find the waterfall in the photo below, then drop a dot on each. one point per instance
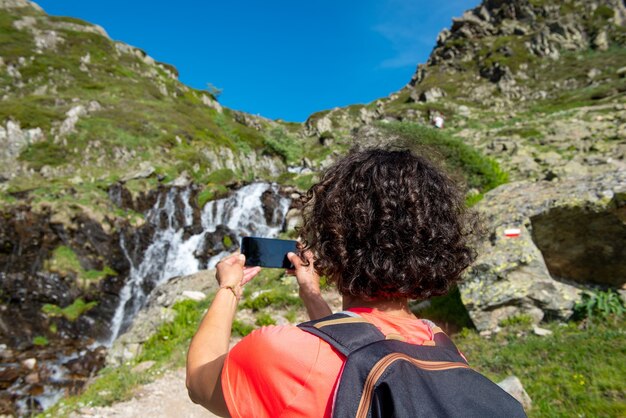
(172, 254)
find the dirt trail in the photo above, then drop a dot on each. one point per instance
(166, 397)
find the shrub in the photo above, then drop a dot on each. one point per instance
(241, 328)
(264, 319)
(599, 304)
(41, 341)
(479, 171)
(522, 320)
(280, 143)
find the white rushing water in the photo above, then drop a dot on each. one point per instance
(172, 254)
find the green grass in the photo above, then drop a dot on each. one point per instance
(572, 373)
(114, 384)
(270, 289)
(168, 344)
(44, 153)
(211, 192)
(276, 298)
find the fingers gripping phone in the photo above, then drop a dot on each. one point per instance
(268, 252)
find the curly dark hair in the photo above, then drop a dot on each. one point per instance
(387, 224)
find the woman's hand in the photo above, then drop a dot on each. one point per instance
(231, 272)
(307, 277)
(309, 282)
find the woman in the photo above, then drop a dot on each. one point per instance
(384, 227)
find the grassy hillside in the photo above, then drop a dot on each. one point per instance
(82, 111)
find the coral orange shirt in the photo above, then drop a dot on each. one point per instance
(282, 371)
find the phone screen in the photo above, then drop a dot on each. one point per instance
(267, 252)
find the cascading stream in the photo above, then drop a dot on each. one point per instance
(171, 254)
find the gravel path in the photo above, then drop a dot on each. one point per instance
(165, 397)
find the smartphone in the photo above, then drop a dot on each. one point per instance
(267, 252)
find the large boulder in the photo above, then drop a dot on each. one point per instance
(572, 235)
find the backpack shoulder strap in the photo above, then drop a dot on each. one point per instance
(345, 332)
(440, 338)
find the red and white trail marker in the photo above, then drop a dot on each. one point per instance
(512, 232)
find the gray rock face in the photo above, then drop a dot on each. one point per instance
(14, 4)
(13, 140)
(571, 234)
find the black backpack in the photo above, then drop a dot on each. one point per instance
(385, 377)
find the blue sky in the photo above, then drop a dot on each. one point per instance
(279, 58)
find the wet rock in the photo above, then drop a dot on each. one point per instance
(270, 202)
(30, 363)
(293, 219)
(573, 234)
(120, 196)
(88, 363)
(32, 378)
(8, 375)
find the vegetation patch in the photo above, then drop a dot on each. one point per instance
(223, 176)
(479, 172)
(281, 143)
(599, 304)
(64, 261)
(40, 341)
(211, 192)
(241, 328)
(45, 153)
(71, 312)
(573, 372)
(264, 319)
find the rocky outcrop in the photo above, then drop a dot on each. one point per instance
(158, 310)
(572, 234)
(499, 40)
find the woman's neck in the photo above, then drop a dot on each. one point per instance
(398, 307)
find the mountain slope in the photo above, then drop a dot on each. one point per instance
(80, 108)
(538, 85)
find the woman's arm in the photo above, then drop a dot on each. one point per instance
(309, 282)
(209, 345)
